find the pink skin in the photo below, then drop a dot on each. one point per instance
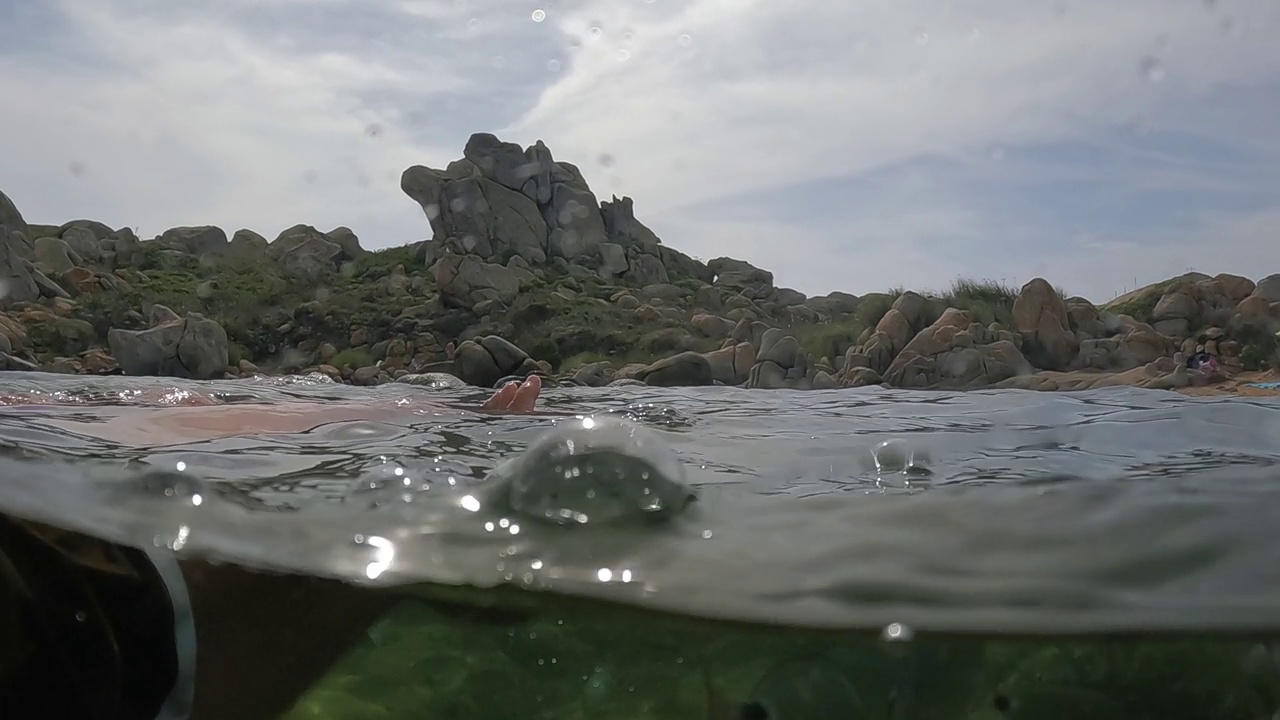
(515, 397)
(173, 418)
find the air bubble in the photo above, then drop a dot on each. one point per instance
(897, 457)
(595, 470)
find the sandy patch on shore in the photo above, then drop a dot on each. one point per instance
(1238, 385)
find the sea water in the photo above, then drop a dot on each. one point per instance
(859, 553)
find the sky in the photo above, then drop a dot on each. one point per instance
(852, 146)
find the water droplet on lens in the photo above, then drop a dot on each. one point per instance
(499, 61)
(539, 15)
(685, 39)
(473, 23)
(1151, 69)
(623, 55)
(596, 32)
(553, 65)
(897, 632)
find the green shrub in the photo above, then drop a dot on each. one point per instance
(545, 349)
(987, 300)
(1259, 349)
(1140, 304)
(355, 357)
(830, 340)
(378, 263)
(873, 306)
(583, 358)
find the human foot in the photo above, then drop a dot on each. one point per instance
(515, 397)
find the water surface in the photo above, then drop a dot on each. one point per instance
(1116, 510)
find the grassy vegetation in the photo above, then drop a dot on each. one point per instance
(252, 299)
(1259, 348)
(380, 263)
(1141, 303)
(987, 300)
(588, 328)
(581, 359)
(354, 357)
(567, 322)
(833, 339)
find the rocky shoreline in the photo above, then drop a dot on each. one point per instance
(527, 272)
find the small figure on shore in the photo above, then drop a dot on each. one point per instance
(1204, 367)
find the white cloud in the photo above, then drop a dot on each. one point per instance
(790, 134)
(196, 123)
(771, 93)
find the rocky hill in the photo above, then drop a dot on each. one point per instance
(527, 271)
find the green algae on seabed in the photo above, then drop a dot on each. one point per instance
(616, 664)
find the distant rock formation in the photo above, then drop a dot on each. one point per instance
(527, 272)
(513, 209)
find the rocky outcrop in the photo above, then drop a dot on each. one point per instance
(1040, 315)
(526, 271)
(11, 218)
(957, 352)
(192, 347)
(780, 363)
(501, 202)
(304, 252)
(466, 281)
(484, 361)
